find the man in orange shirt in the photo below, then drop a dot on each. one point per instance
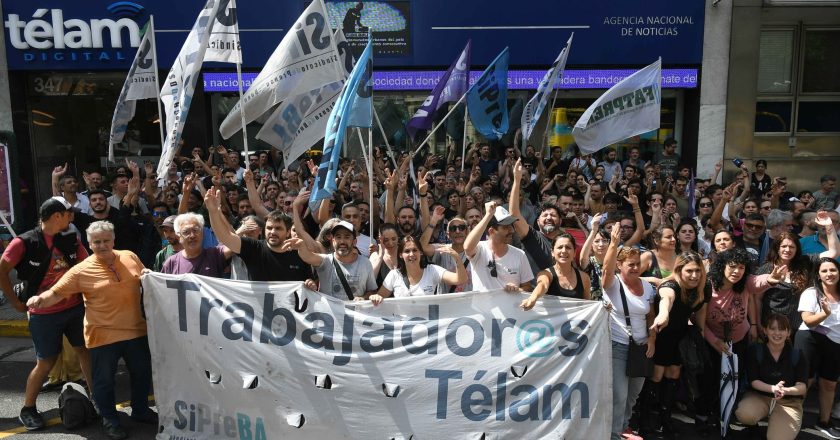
(114, 327)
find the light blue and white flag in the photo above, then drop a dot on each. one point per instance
(629, 108)
(534, 108)
(354, 89)
(361, 113)
(487, 99)
(139, 84)
(178, 91)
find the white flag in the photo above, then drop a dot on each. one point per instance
(533, 110)
(179, 88)
(306, 59)
(224, 45)
(139, 84)
(629, 108)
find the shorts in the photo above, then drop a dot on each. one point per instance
(822, 353)
(46, 330)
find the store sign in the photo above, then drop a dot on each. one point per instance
(47, 36)
(517, 79)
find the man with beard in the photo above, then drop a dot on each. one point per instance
(351, 213)
(494, 263)
(193, 257)
(172, 246)
(343, 274)
(102, 210)
(611, 166)
(265, 260)
(407, 221)
(537, 244)
(67, 185)
(456, 232)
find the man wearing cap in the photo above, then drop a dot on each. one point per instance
(266, 260)
(668, 159)
(494, 263)
(173, 244)
(41, 256)
(343, 274)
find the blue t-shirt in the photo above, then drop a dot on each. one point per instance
(811, 246)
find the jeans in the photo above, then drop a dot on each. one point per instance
(138, 360)
(625, 390)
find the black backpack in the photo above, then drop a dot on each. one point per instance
(74, 407)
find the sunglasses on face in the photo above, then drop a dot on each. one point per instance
(706, 205)
(453, 228)
(753, 226)
(158, 214)
(492, 266)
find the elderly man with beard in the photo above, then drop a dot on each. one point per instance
(265, 260)
(193, 257)
(537, 244)
(343, 274)
(494, 263)
(456, 231)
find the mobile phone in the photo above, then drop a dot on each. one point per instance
(653, 182)
(737, 162)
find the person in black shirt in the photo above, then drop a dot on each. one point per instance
(264, 259)
(777, 374)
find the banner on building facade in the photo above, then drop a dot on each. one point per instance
(235, 359)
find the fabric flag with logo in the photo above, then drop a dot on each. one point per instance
(627, 109)
(299, 122)
(337, 124)
(139, 84)
(451, 86)
(224, 45)
(487, 99)
(533, 110)
(178, 91)
(306, 59)
(361, 112)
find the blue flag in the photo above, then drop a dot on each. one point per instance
(452, 85)
(487, 99)
(361, 110)
(355, 89)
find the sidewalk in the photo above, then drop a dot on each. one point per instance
(12, 322)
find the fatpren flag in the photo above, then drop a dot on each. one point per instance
(487, 99)
(534, 108)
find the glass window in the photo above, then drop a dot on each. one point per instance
(774, 61)
(818, 117)
(772, 117)
(821, 70)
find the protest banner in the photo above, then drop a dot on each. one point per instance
(251, 360)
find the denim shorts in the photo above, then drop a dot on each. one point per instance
(46, 330)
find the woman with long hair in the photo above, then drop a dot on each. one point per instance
(659, 261)
(592, 255)
(777, 374)
(415, 277)
(687, 240)
(730, 318)
(819, 336)
(385, 257)
(563, 278)
(681, 297)
(626, 287)
(786, 251)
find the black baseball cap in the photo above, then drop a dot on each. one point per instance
(53, 205)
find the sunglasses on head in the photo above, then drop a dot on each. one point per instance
(453, 228)
(492, 266)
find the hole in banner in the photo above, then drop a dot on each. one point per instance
(518, 370)
(390, 390)
(214, 378)
(250, 381)
(300, 306)
(296, 420)
(323, 381)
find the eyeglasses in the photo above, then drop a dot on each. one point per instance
(159, 214)
(707, 205)
(492, 266)
(453, 228)
(753, 226)
(189, 231)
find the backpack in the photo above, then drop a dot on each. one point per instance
(74, 407)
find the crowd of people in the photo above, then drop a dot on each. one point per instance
(689, 269)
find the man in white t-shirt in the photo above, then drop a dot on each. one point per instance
(494, 263)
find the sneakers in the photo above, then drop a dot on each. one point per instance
(114, 432)
(828, 429)
(31, 419)
(630, 435)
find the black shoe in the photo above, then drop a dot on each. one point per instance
(114, 432)
(702, 426)
(31, 419)
(50, 386)
(147, 417)
(828, 429)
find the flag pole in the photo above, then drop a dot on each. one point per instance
(548, 122)
(431, 133)
(370, 176)
(464, 141)
(157, 81)
(239, 81)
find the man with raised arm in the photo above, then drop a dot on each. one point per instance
(494, 263)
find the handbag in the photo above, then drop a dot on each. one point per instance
(638, 364)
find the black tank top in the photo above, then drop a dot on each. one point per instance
(555, 289)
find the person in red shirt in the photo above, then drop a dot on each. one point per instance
(41, 256)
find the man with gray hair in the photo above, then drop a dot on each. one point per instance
(778, 221)
(194, 258)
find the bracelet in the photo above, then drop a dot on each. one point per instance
(421, 195)
(462, 194)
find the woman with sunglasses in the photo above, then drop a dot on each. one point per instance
(563, 278)
(415, 277)
(592, 256)
(681, 297)
(625, 287)
(819, 336)
(786, 251)
(730, 317)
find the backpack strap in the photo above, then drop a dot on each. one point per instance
(343, 278)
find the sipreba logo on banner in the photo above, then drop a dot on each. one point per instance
(48, 36)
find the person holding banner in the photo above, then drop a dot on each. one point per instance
(494, 263)
(630, 299)
(562, 278)
(415, 277)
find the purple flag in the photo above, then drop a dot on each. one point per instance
(452, 85)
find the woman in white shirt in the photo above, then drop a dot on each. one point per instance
(819, 336)
(415, 277)
(639, 297)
